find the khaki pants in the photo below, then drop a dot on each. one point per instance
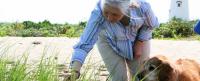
(120, 69)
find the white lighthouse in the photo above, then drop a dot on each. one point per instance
(179, 9)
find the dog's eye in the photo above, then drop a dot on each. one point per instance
(152, 67)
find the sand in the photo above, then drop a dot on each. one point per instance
(62, 48)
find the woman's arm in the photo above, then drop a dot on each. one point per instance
(144, 34)
(87, 39)
(138, 48)
(141, 45)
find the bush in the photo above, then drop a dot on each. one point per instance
(74, 31)
(44, 29)
(29, 33)
(175, 28)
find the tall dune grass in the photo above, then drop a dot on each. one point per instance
(46, 69)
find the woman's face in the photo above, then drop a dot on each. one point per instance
(112, 14)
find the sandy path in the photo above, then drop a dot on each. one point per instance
(15, 47)
(176, 49)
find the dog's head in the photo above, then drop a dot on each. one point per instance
(157, 68)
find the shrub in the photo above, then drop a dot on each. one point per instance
(175, 28)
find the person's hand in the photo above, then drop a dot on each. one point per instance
(71, 75)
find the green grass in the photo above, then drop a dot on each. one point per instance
(46, 69)
(20, 70)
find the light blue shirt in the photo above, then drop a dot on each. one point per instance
(120, 38)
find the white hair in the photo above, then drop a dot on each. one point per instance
(123, 5)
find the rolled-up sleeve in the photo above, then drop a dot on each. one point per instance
(150, 22)
(150, 19)
(144, 33)
(89, 36)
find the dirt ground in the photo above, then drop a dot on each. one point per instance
(62, 47)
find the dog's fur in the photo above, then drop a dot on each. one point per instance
(160, 68)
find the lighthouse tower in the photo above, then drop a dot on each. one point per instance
(179, 9)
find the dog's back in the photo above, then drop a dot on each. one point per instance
(160, 68)
(188, 70)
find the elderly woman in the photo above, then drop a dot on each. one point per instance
(197, 28)
(122, 30)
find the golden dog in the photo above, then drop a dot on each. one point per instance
(160, 68)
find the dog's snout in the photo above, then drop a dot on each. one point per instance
(140, 76)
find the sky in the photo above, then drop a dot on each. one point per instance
(73, 11)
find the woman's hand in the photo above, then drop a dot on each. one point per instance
(72, 75)
(138, 49)
(74, 72)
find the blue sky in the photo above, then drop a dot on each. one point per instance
(73, 11)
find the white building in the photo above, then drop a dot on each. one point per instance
(179, 9)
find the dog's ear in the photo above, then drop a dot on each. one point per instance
(165, 72)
